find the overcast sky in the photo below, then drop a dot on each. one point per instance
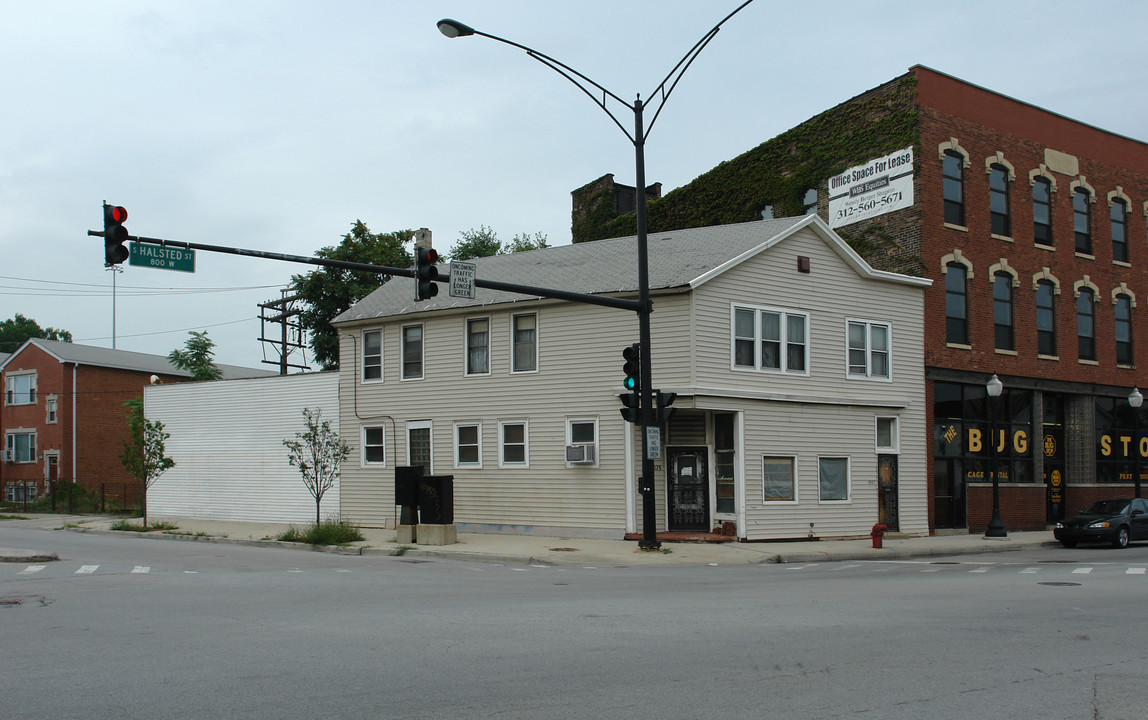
(274, 125)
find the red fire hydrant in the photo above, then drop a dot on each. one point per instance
(878, 535)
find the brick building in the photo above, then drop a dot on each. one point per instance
(63, 414)
(1032, 227)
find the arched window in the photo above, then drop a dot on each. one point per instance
(1082, 220)
(1086, 325)
(1042, 211)
(1123, 310)
(953, 172)
(1002, 311)
(1118, 221)
(956, 304)
(1046, 318)
(998, 200)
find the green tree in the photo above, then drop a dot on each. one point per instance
(328, 291)
(484, 242)
(197, 357)
(14, 332)
(317, 453)
(143, 456)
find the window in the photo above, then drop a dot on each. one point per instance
(1082, 220)
(21, 447)
(1002, 311)
(524, 352)
(372, 355)
(868, 349)
(724, 455)
(468, 445)
(583, 432)
(777, 480)
(953, 174)
(1045, 318)
(513, 448)
(478, 346)
(956, 304)
(887, 440)
(21, 389)
(998, 200)
(1123, 311)
(833, 479)
(1085, 326)
(1042, 211)
(1118, 220)
(50, 407)
(770, 340)
(373, 446)
(17, 492)
(412, 352)
(420, 448)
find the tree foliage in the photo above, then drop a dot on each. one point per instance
(326, 292)
(197, 357)
(318, 452)
(484, 242)
(143, 455)
(14, 333)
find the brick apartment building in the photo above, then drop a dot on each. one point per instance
(1032, 227)
(63, 414)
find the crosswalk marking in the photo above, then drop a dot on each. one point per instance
(1030, 570)
(141, 569)
(1081, 571)
(1134, 571)
(87, 569)
(982, 569)
(31, 569)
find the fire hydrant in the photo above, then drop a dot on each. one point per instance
(878, 535)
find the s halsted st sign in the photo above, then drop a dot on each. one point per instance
(162, 257)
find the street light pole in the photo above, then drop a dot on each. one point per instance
(600, 95)
(996, 528)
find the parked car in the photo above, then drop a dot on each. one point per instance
(1116, 521)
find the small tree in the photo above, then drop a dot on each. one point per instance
(143, 456)
(197, 357)
(317, 453)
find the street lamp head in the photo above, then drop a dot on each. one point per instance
(1135, 399)
(994, 386)
(453, 28)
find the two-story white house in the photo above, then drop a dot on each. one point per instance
(798, 368)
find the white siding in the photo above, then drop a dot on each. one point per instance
(227, 442)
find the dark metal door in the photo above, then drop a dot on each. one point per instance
(887, 492)
(689, 492)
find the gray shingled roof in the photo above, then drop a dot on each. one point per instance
(676, 259)
(128, 360)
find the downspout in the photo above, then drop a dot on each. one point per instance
(75, 368)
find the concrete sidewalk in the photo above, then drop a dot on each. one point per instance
(539, 550)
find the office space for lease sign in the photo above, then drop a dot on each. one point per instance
(875, 188)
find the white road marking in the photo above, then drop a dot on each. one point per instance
(87, 569)
(31, 569)
(1030, 570)
(1081, 571)
(141, 569)
(979, 570)
(1134, 571)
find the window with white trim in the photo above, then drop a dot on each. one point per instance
(583, 432)
(373, 444)
(20, 389)
(513, 443)
(833, 479)
(478, 346)
(524, 343)
(50, 408)
(468, 444)
(21, 446)
(778, 479)
(868, 349)
(770, 340)
(412, 352)
(887, 438)
(372, 355)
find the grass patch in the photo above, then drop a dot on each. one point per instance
(402, 550)
(329, 532)
(9, 517)
(130, 526)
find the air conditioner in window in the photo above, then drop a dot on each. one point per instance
(580, 454)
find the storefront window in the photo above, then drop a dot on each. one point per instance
(983, 438)
(1121, 440)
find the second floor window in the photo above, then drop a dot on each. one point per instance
(998, 200)
(524, 350)
(1118, 220)
(1045, 318)
(868, 349)
(20, 389)
(1002, 311)
(956, 305)
(412, 352)
(1042, 212)
(1123, 312)
(1082, 220)
(1085, 326)
(953, 173)
(770, 340)
(478, 346)
(372, 355)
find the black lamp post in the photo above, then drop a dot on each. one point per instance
(1135, 400)
(996, 528)
(600, 95)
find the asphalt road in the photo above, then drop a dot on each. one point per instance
(126, 628)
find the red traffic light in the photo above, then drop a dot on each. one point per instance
(118, 214)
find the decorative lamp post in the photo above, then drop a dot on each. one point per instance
(996, 528)
(600, 95)
(1135, 400)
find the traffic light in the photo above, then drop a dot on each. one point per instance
(633, 368)
(425, 273)
(115, 235)
(631, 407)
(664, 401)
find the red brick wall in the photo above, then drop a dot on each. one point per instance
(1022, 507)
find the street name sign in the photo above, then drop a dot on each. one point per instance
(162, 257)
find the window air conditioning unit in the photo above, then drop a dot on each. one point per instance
(583, 454)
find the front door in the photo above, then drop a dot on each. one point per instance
(689, 491)
(887, 492)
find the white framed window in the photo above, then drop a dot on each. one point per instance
(513, 443)
(478, 346)
(373, 442)
(412, 352)
(420, 445)
(373, 356)
(20, 389)
(833, 479)
(867, 354)
(582, 437)
(779, 479)
(51, 415)
(888, 439)
(468, 444)
(21, 446)
(524, 343)
(769, 339)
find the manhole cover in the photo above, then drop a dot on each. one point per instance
(1060, 584)
(414, 562)
(564, 550)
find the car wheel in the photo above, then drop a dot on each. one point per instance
(1068, 543)
(1121, 539)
